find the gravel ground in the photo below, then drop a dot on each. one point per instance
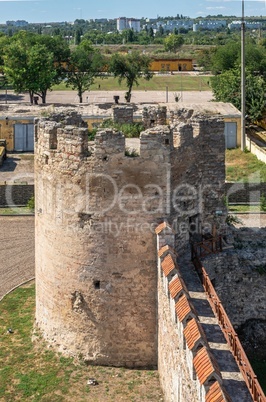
(255, 221)
(17, 168)
(16, 251)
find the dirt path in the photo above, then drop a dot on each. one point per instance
(16, 251)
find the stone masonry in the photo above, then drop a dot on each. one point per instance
(96, 211)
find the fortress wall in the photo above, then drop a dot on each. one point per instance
(96, 210)
(198, 176)
(187, 368)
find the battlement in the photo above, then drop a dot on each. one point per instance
(63, 141)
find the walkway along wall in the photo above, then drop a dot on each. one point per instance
(194, 361)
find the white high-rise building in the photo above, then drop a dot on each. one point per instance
(123, 23)
(134, 24)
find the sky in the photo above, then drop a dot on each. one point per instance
(68, 10)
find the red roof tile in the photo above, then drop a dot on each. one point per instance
(183, 308)
(206, 366)
(166, 249)
(217, 394)
(176, 286)
(193, 333)
(162, 226)
(168, 265)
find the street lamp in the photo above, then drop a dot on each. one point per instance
(243, 81)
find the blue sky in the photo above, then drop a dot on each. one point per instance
(69, 10)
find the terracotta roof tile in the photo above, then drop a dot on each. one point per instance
(162, 226)
(183, 308)
(176, 286)
(193, 333)
(205, 366)
(166, 249)
(168, 265)
(217, 394)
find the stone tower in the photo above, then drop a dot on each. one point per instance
(96, 211)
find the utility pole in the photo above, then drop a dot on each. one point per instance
(243, 81)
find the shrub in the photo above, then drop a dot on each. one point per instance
(132, 153)
(263, 203)
(31, 203)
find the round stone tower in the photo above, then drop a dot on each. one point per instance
(96, 210)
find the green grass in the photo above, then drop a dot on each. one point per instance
(29, 371)
(175, 83)
(15, 211)
(244, 166)
(244, 208)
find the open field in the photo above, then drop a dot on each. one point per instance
(31, 372)
(177, 82)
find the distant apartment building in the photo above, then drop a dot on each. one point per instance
(248, 25)
(211, 25)
(128, 23)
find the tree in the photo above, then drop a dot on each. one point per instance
(227, 88)
(84, 64)
(30, 63)
(130, 67)
(226, 57)
(173, 42)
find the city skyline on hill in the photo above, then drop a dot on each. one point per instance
(45, 11)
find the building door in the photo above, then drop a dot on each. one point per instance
(24, 137)
(230, 132)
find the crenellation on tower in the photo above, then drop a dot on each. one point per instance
(109, 142)
(72, 142)
(183, 135)
(156, 142)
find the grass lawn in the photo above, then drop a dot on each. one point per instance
(15, 211)
(29, 371)
(244, 208)
(175, 82)
(244, 166)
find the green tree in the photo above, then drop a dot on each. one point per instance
(226, 57)
(84, 64)
(32, 63)
(173, 42)
(227, 88)
(130, 68)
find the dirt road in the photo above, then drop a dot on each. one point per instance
(16, 251)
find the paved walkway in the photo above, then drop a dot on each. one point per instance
(90, 97)
(233, 381)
